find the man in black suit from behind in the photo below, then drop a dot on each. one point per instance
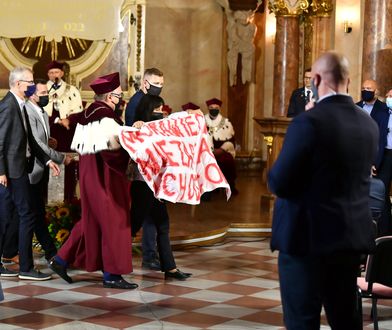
(322, 222)
(300, 97)
(17, 151)
(380, 113)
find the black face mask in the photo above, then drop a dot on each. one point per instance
(214, 112)
(154, 90)
(118, 112)
(43, 100)
(117, 106)
(156, 116)
(367, 95)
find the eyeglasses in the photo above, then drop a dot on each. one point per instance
(119, 96)
(31, 82)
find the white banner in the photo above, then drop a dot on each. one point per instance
(175, 158)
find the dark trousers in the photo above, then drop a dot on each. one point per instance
(146, 209)
(38, 193)
(384, 224)
(11, 236)
(308, 283)
(38, 196)
(149, 236)
(18, 191)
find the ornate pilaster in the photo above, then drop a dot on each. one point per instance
(286, 55)
(321, 27)
(377, 41)
(288, 8)
(321, 8)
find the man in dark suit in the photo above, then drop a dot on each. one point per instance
(322, 221)
(300, 97)
(380, 113)
(18, 149)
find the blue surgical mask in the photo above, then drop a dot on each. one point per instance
(389, 102)
(30, 90)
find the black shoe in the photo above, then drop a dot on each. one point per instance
(152, 265)
(119, 284)
(59, 270)
(178, 275)
(34, 275)
(5, 272)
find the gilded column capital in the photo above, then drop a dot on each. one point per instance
(287, 8)
(321, 8)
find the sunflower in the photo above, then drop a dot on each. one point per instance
(62, 212)
(62, 235)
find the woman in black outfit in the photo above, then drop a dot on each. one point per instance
(145, 207)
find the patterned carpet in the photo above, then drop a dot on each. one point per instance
(235, 286)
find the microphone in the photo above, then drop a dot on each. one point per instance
(55, 84)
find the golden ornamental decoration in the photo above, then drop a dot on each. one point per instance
(321, 8)
(288, 8)
(37, 47)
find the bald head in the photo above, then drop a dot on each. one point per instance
(369, 85)
(332, 68)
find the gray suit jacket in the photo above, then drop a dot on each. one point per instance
(39, 133)
(13, 140)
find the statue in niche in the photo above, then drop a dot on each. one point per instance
(240, 34)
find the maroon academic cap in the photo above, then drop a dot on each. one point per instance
(167, 109)
(55, 65)
(106, 84)
(190, 106)
(214, 101)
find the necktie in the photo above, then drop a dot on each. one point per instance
(307, 96)
(28, 132)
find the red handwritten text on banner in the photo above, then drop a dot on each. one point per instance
(174, 157)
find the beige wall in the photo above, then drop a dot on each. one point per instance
(183, 39)
(350, 44)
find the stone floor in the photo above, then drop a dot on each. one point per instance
(235, 286)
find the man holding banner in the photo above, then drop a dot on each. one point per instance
(101, 240)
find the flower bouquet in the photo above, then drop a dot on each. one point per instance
(60, 219)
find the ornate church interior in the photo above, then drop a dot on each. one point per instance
(249, 54)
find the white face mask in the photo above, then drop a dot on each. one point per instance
(389, 102)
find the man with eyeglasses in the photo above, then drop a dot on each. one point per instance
(39, 177)
(18, 150)
(152, 83)
(301, 96)
(64, 100)
(101, 240)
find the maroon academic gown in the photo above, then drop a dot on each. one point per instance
(101, 240)
(64, 139)
(226, 163)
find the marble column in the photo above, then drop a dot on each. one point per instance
(286, 57)
(377, 43)
(321, 22)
